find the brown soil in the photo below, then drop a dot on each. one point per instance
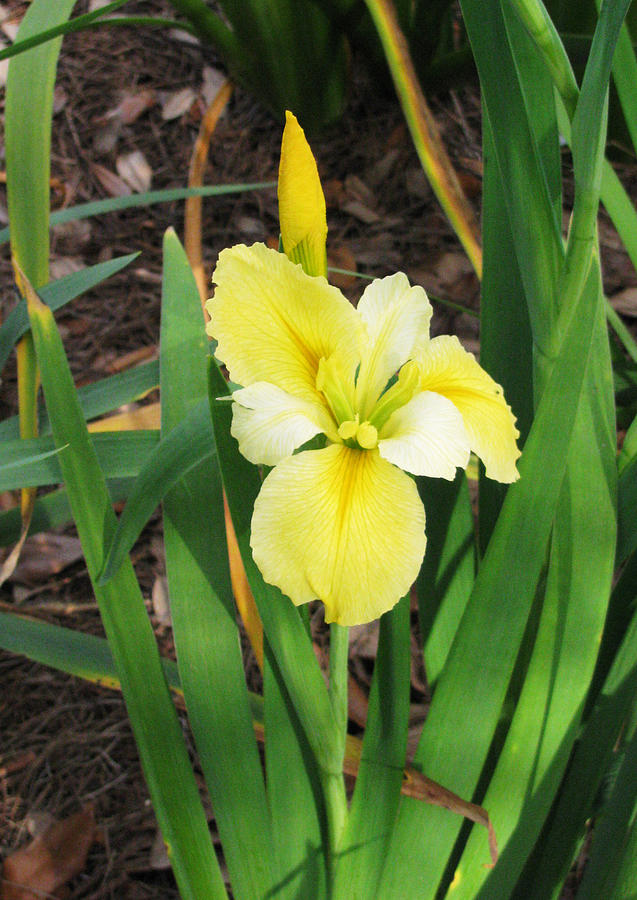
(65, 742)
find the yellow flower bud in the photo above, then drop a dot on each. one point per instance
(302, 215)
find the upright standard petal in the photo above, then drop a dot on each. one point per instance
(397, 318)
(343, 526)
(448, 369)
(426, 437)
(274, 323)
(270, 424)
(301, 202)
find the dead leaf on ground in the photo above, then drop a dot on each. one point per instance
(112, 183)
(134, 169)
(43, 867)
(342, 258)
(177, 103)
(625, 302)
(44, 555)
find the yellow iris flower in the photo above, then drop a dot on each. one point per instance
(345, 523)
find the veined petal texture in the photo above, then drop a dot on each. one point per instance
(270, 424)
(274, 323)
(341, 525)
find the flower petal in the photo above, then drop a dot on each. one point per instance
(274, 323)
(301, 202)
(397, 318)
(270, 424)
(426, 437)
(448, 369)
(342, 525)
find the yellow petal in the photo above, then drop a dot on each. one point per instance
(397, 318)
(301, 202)
(448, 369)
(274, 323)
(426, 437)
(341, 525)
(270, 424)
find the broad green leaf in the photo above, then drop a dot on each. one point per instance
(120, 454)
(57, 294)
(547, 715)
(294, 792)
(188, 445)
(363, 850)
(448, 570)
(202, 607)
(155, 725)
(627, 504)
(458, 733)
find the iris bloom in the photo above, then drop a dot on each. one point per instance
(343, 522)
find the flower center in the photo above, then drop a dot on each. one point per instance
(358, 434)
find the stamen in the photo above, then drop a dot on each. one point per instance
(399, 394)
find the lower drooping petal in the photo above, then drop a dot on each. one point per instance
(270, 424)
(426, 437)
(448, 369)
(341, 525)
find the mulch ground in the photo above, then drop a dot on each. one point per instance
(65, 743)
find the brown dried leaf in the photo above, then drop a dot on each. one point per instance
(112, 183)
(342, 258)
(44, 866)
(44, 555)
(625, 302)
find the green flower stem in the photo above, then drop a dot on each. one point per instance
(333, 785)
(339, 649)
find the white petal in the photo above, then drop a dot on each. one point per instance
(270, 424)
(397, 318)
(448, 369)
(426, 437)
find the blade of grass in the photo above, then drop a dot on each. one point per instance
(119, 455)
(100, 397)
(547, 714)
(56, 294)
(157, 730)
(48, 34)
(52, 511)
(188, 445)
(28, 114)
(169, 195)
(203, 612)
